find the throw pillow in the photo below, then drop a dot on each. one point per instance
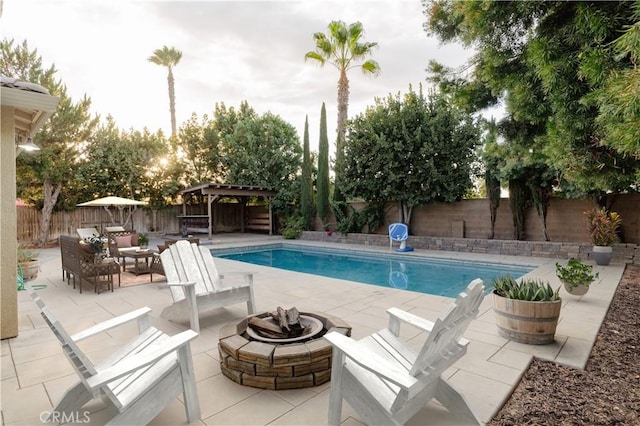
(86, 247)
(134, 239)
(123, 241)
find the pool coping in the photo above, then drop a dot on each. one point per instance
(378, 254)
(418, 253)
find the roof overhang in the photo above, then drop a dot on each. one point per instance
(32, 109)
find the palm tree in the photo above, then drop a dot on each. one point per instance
(168, 57)
(342, 48)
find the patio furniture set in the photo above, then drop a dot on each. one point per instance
(80, 262)
(79, 265)
(384, 379)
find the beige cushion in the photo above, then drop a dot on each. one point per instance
(123, 241)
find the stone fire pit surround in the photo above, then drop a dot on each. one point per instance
(278, 366)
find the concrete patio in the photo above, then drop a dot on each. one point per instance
(35, 373)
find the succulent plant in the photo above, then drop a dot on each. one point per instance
(26, 254)
(526, 289)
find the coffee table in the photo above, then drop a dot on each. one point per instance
(141, 257)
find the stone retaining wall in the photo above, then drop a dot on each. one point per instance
(622, 253)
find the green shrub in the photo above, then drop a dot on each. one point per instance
(576, 272)
(293, 227)
(527, 289)
(143, 240)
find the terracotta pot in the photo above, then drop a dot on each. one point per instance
(526, 322)
(30, 269)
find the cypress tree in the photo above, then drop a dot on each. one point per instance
(492, 183)
(306, 187)
(323, 168)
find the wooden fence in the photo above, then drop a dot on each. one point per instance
(166, 221)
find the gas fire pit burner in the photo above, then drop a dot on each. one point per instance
(284, 363)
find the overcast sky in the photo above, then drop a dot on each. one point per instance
(232, 51)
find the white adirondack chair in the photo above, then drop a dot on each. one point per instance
(196, 285)
(139, 380)
(386, 382)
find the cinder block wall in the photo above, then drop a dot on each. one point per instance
(466, 225)
(565, 220)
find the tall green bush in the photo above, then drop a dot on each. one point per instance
(306, 187)
(323, 168)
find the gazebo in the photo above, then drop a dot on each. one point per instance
(212, 192)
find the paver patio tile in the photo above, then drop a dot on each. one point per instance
(261, 408)
(483, 375)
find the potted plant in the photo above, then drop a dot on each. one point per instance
(527, 311)
(143, 241)
(28, 261)
(97, 244)
(603, 231)
(576, 276)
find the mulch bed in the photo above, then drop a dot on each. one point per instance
(607, 392)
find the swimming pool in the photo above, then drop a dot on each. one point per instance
(424, 275)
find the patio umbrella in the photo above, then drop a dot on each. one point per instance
(118, 202)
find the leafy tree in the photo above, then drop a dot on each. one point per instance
(323, 168)
(130, 164)
(225, 119)
(53, 165)
(264, 151)
(168, 57)
(117, 163)
(306, 185)
(618, 99)
(541, 182)
(412, 150)
(342, 47)
(545, 60)
(493, 159)
(198, 150)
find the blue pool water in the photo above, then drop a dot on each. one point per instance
(424, 275)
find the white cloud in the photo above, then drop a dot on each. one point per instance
(232, 51)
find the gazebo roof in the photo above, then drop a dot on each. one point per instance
(224, 189)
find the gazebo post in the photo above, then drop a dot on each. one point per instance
(243, 208)
(210, 214)
(270, 216)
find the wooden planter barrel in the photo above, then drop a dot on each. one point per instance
(522, 321)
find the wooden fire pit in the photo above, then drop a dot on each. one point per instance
(278, 365)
